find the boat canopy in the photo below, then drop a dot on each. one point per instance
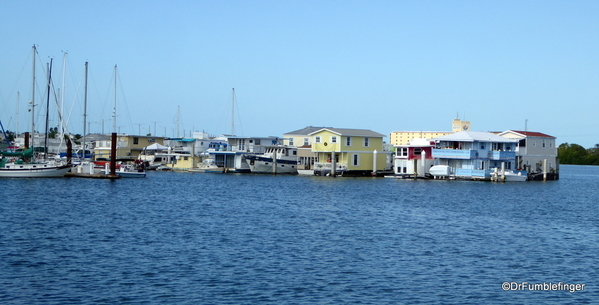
(28, 153)
(156, 146)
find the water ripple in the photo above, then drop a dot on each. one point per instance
(179, 238)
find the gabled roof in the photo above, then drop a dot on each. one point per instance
(156, 146)
(350, 132)
(474, 136)
(527, 134)
(305, 131)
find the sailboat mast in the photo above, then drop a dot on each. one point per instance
(233, 112)
(84, 110)
(114, 109)
(17, 123)
(179, 121)
(48, 111)
(63, 91)
(32, 102)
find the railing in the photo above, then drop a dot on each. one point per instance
(249, 148)
(473, 173)
(329, 166)
(454, 153)
(502, 155)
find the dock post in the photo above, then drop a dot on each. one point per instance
(544, 169)
(415, 169)
(502, 171)
(70, 151)
(333, 164)
(374, 155)
(113, 155)
(423, 164)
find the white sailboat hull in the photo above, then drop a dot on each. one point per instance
(33, 171)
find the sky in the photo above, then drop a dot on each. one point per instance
(379, 65)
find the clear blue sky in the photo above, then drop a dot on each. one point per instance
(379, 65)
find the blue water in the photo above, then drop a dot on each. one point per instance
(181, 238)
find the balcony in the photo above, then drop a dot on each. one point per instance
(465, 154)
(473, 173)
(502, 155)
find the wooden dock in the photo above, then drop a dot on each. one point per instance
(92, 176)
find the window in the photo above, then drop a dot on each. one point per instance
(482, 145)
(306, 141)
(356, 160)
(291, 141)
(348, 141)
(366, 142)
(317, 139)
(522, 143)
(334, 139)
(418, 151)
(135, 141)
(257, 142)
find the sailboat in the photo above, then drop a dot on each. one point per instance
(23, 164)
(125, 170)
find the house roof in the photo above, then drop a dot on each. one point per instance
(528, 134)
(306, 131)
(474, 136)
(351, 132)
(182, 139)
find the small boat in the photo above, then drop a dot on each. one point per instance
(305, 172)
(126, 171)
(277, 159)
(511, 176)
(207, 166)
(150, 158)
(440, 170)
(325, 169)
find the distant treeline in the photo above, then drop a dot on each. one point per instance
(576, 154)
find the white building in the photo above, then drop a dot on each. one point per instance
(474, 154)
(533, 150)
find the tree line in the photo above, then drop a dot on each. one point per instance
(576, 154)
(52, 134)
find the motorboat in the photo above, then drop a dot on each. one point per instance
(277, 159)
(512, 176)
(207, 166)
(440, 170)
